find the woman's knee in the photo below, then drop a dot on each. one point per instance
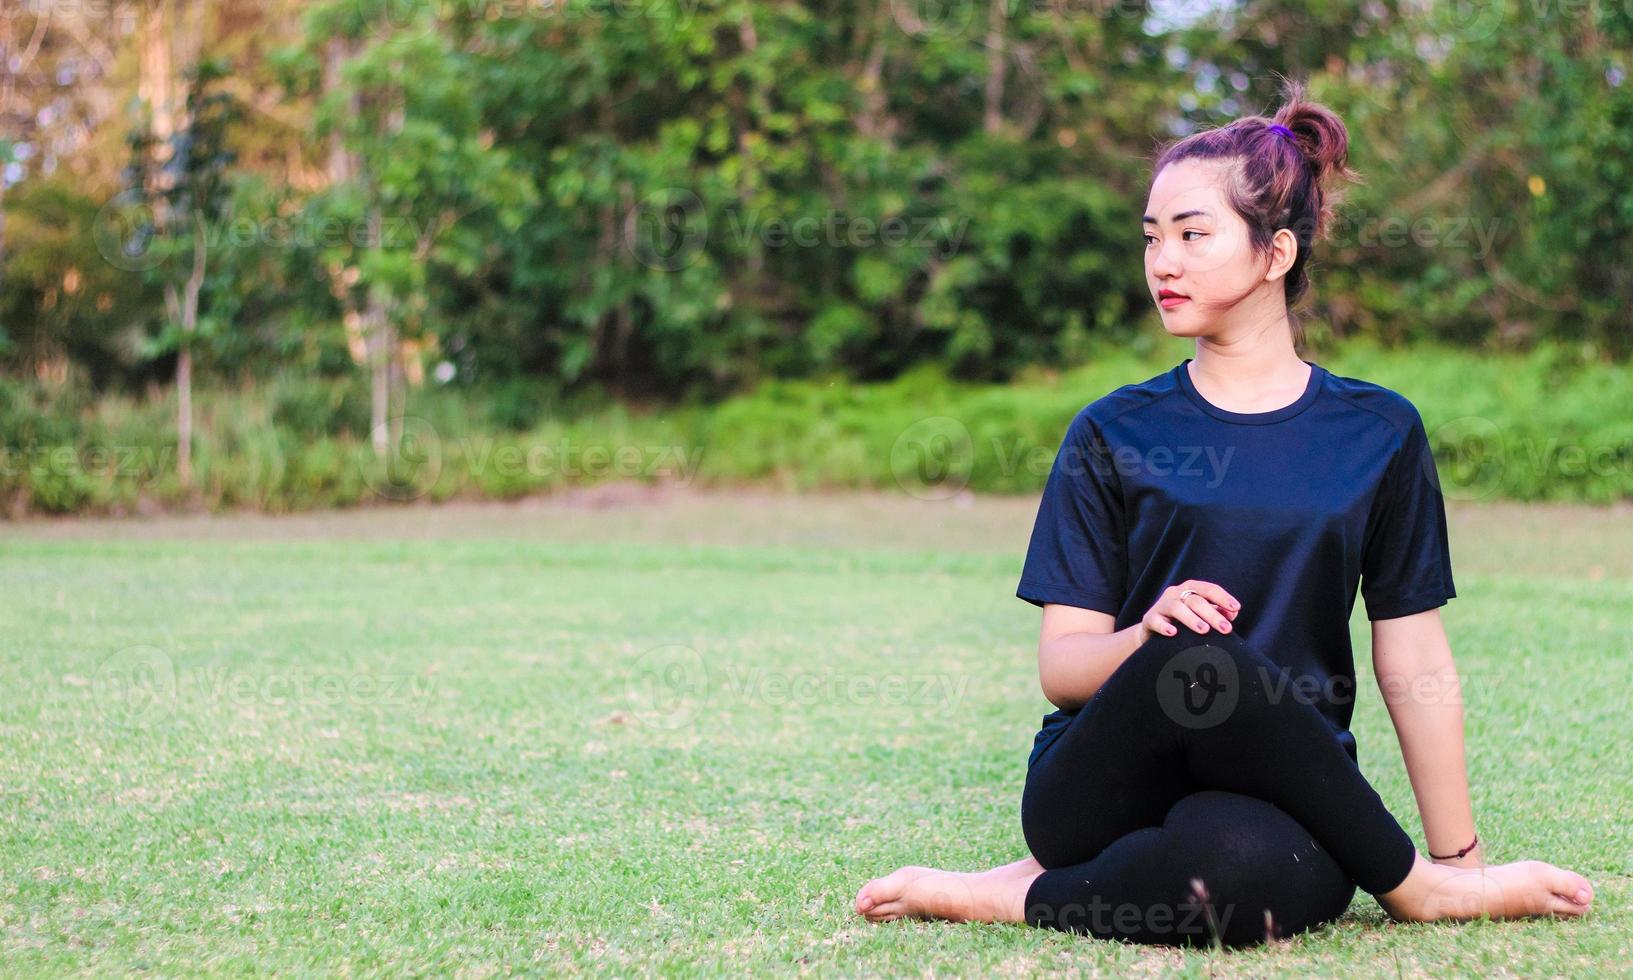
(1257, 869)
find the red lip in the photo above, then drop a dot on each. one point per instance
(1165, 293)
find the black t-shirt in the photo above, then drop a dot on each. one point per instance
(1288, 510)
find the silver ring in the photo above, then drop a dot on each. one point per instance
(1187, 592)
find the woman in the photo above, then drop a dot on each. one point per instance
(1196, 555)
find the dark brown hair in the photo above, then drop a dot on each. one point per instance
(1274, 182)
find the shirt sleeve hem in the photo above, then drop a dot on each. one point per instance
(1408, 605)
(1039, 593)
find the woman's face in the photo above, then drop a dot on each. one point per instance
(1197, 246)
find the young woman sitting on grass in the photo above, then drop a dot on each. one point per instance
(1196, 555)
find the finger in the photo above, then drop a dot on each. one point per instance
(1208, 612)
(1182, 612)
(1214, 608)
(1158, 624)
(1216, 594)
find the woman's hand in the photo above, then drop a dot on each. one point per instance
(1208, 603)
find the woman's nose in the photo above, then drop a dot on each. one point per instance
(1164, 264)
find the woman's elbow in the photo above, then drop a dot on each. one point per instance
(1056, 691)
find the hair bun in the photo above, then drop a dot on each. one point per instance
(1318, 133)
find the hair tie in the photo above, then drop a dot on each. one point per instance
(1281, 130)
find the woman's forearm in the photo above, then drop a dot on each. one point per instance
(1073, 666)
(1424, 697)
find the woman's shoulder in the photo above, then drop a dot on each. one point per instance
(1370, 396)
(1126, 398)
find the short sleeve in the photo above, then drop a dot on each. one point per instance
(1406, 564)
(1077, 552)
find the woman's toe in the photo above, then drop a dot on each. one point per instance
(880, 899)
(1571, 886)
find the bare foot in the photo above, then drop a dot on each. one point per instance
(1500, 891)
(998, 895)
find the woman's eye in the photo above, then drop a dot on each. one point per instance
(1150, 238)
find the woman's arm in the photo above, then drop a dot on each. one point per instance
(1078, 650)
(1423, 692)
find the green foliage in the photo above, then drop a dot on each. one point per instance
(1551, 425)
(675, 201)
(313, 409)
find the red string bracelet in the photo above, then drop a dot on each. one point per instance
(1463, 853)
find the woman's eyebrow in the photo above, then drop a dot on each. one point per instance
(1178, 217)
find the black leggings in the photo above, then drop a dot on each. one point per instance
(1197, 798)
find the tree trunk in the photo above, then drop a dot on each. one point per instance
(993, 117)
(156, 85)
(184, 416)
(375, 321)
(184, 362)
(379, 323)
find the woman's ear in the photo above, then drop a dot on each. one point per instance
(1283, 252)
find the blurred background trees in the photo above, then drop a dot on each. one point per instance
(675, 199)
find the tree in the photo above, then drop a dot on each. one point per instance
(411, 162)
(188, 200)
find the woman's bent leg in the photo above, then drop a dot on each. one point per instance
(1221, 866)
(1192, 712)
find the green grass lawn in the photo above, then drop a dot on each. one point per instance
(672, 735)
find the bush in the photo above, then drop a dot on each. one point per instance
(1554, 425)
